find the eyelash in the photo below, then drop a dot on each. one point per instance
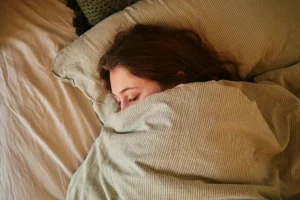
(133, 99)
(130, 100)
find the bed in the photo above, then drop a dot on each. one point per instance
(37, 111)
(49, 130)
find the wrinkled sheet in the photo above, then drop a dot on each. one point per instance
(212, 140)
(46, 127)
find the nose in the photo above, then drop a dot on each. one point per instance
(124, 104)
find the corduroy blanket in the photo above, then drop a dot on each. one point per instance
(212, 140)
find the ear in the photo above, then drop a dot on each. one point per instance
(180, 78)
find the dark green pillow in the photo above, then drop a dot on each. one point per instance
(97, 10)
(80, 22)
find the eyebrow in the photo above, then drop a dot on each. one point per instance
(125, 89)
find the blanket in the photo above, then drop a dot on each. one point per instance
(211, 140)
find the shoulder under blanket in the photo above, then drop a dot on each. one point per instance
(213, 140)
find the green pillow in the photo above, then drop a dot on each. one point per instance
(97, 10)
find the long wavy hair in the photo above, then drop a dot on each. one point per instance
(158, 53)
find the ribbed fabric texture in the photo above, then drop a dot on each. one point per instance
(213, 140)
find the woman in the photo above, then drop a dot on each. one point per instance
(149, 59)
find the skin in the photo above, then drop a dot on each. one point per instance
(129, 89)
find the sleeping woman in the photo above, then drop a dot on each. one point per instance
(225, 139)
(149, 59)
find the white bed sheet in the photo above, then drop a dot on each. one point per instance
(46, 127)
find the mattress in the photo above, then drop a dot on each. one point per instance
(46, 126)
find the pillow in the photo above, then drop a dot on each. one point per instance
(97, 10)
(260, 35)
(80, 22)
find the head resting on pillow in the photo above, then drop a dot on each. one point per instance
(148, 59)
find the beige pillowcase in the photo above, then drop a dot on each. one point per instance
(260, 35)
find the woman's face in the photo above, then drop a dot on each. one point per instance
(128, 89)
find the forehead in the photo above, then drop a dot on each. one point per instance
(120, 78)
(119, 71)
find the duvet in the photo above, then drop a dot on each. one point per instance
(212, 140)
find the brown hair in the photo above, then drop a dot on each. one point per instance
(157, 53)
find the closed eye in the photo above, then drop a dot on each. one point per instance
(133, 99)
